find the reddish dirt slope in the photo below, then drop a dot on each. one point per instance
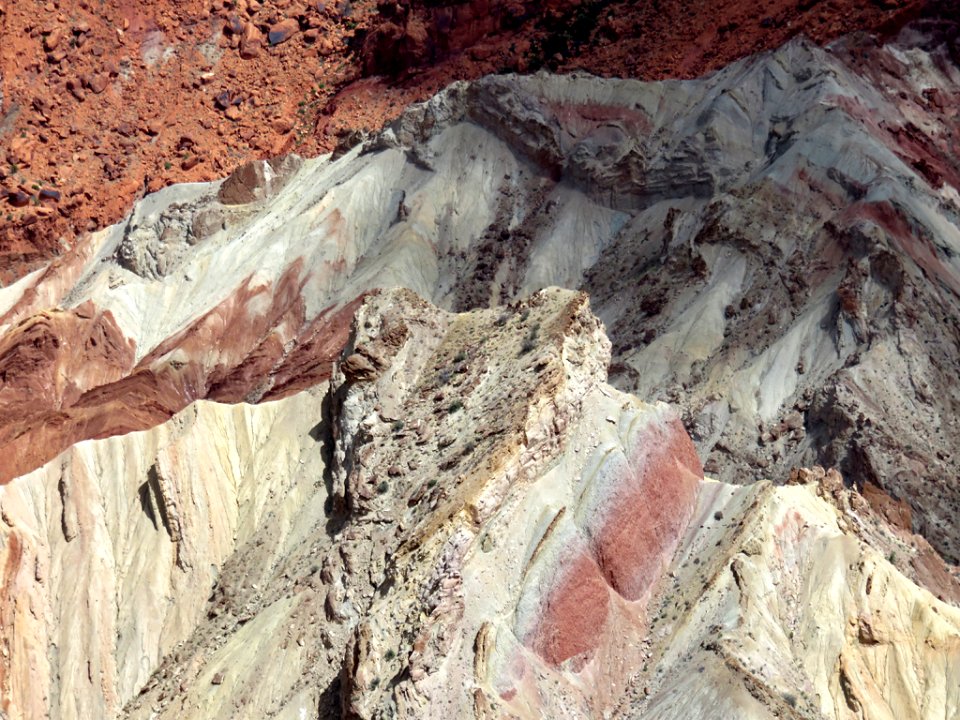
(103, 102)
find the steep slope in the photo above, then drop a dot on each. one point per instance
(773, 249)
(804, 619)
(111, 551)
(467, 521)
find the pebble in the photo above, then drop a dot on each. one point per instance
(282, 125)
(223, 100)
(283, 31)
(251, 42)
(98, 83)
(76, 89)
(52, 41)
(233, 25)
(17, 198)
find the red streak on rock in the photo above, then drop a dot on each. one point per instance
(887, 217)
(68, 376)
(581, 119)
(932, 154)
(639, 533)
(630, 542)
(895, 512)
(311, 360)
(575, 612)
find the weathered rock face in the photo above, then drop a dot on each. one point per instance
(539, 515)
(466, 521)
(437, 506)
(772, 248)
(99, 102)
(110, 551)
(781, 605)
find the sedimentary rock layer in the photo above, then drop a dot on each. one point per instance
(465, 521)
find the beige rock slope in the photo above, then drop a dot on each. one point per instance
(111, 550)
(777, 607)
(466, 522)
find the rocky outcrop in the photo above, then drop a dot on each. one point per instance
(778, 606)
(767, 247)
(102, 103)
(465, 521)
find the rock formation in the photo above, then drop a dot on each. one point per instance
(518, 408)
(764, 251)
(466, 521)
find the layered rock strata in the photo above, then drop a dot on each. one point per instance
(772, 248)
(467, 521)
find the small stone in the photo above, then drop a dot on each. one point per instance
(251, 42)
(48, 194)
(325, 47)
(190, 162)
(223, 100)
(81, 28)
(186, 142)
(18, 198)
(76, 89)
(217, 679)
(98, 83)
(52, 41)
(153, 127)
(233, 112)
(358, 368)
(282, 125)
(282, 31)
(233, 25)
